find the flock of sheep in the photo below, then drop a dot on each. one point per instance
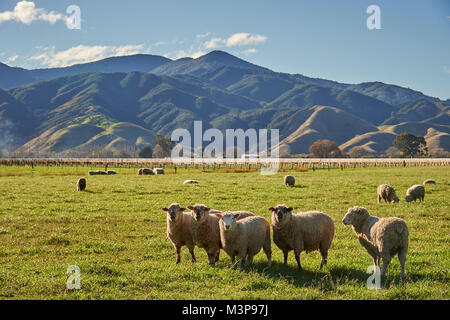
(242, 235)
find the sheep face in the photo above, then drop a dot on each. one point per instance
(281, 214)
(395, 199)
(174, 211)
(227, 220)
(199, 212)
(409, 198)
(355, 216)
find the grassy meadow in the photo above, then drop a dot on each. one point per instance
(116, 233)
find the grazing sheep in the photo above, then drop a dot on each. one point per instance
(111, 172)
(145, 171)
(244, 238)
(81, 184)
(158, 171)
(190, 181)
(289, 181)
(415, 192)
(178, 229)
(387, 193)
(98, 172)
(303, 231)
(382, 237)
(430, 181)
(205, 231)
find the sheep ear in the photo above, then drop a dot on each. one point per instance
(271, 209)
(218, 215)
(290, 209)
(236, 215)
(182, 209)
(165, 209)
(190, 207)
(207, 209)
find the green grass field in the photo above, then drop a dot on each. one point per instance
(116, 233)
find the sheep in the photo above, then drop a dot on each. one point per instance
(81, 184)
(158, 171)
(304, 231)
(111, 172)
(387, 193)
(178, 230)
(415, 192)
(190, 181)
(289, 181)
(430, 181)
(145, 171)
(98, 172)
(382, 237)
(244, 238)
(205, 232)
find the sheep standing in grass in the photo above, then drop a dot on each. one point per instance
(244, 238)
(415, 192)
(145, 171)
(205, 231)
(81, 184)
(304, 231)
(289, 181)
(382, 237)
(158, 171)
(387, 193)
(178, 229)
(429, 181)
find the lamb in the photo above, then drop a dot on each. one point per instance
(289, 181)
(382, 237)
(158, 171)
(387, 193)
(430, 181)
(145, 171)
(205, 231)
(304, 231)
(244, 238)
(178, 229)
(190, 181)
(415, 192)
(81, 184)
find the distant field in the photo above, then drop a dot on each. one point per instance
(115, 233)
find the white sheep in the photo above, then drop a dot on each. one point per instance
(429, 181)
(190, 182)
(415, 192)
(244, 238)
(289, 181)
(382, 237)
(178, 229)
(304, 231)
(387, 193)
(158, 171)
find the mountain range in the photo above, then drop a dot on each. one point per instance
(122, 102)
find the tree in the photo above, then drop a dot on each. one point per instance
(359, 152)
(166, 145)
(410, 145)
(325, 149)
(145, 152)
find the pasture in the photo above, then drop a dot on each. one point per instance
(116, 233)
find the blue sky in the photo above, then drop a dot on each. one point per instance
(318, 38)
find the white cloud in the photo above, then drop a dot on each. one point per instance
(203, 35)
(49, 57)
(249, 51)
(26, 12)
(12, 59)
(214, 43)
(245, 39)
(446, 69)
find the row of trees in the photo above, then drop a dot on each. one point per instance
(405, 145)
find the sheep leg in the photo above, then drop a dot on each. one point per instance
(178, 249)
(379, 198)
(402, 259)
(297, 258)
(240, 258)
(191, 251)
(386, 261)
(249, 260)
(285, 253)
(217, 256)
(324, 253)
(211, 258)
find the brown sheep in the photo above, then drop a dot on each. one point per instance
(81, 184)
(304, 231)
(387, 193)
(415, 192)
(382, 237)
(178, 229)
